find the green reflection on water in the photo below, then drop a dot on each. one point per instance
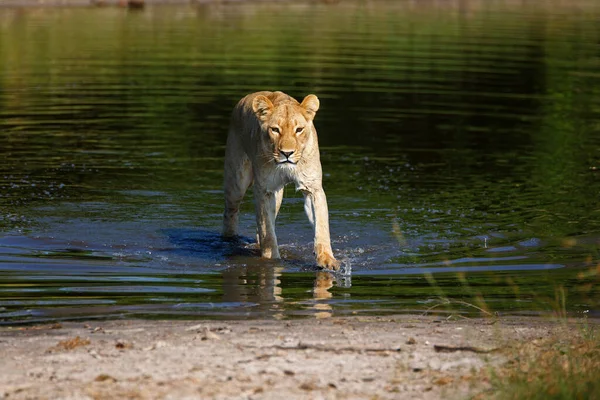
(267, 292)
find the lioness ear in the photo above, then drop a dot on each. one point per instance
(262, 106)
(311, 105)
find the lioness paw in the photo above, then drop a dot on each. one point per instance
(327, 261)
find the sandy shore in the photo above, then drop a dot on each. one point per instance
(334, 358)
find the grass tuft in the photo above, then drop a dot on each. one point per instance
(556, 368)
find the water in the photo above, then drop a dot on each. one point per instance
(460, 143)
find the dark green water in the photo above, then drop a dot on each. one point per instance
(460, 145)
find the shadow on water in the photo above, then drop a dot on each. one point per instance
(208, 246)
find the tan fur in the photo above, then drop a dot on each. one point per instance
(267, 130)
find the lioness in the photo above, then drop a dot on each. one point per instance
(272, 142)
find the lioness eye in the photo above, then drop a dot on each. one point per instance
(275, 130)
(299, 130)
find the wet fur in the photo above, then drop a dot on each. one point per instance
(263, 136)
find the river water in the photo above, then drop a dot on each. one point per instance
(460, 143)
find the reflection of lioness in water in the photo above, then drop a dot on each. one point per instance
(272, 142)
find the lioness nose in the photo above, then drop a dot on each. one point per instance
(287, 154)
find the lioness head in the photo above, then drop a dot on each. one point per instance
(286, 127)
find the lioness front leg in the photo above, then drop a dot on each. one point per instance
(315, 205)
(266, 206)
